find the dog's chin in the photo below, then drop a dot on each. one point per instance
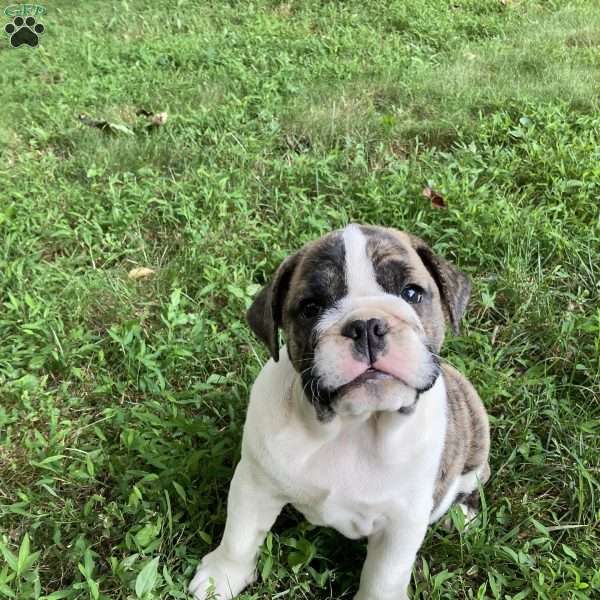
(373, 391)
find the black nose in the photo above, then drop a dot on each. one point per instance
(368, 336)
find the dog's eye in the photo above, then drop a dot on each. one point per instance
(413, 294)
(310, 310)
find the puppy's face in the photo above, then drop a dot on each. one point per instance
(362, 310)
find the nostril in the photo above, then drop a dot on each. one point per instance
(378, 326)
(355, 330)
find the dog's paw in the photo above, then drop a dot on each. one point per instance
(219, 578)
(470, 515)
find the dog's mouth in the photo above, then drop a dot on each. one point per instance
(370, 375)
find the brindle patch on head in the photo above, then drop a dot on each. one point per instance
(396, 265)
(319, 279)
(389, 258)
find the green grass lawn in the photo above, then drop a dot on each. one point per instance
(122, 401)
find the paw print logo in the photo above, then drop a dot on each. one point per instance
(24, 31)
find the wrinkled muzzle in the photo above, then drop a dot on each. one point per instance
(370, 354)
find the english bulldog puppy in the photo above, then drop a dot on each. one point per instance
(356, 422)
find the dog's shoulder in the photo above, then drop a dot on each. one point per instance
(466, 411)
(467, 440)
(466, 414)
(461, 394)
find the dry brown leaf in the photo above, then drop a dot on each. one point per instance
(159, 119)
(103, 125)
(154, 119)
(436, 199)
(140, 273)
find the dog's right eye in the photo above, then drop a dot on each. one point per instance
(310, 310)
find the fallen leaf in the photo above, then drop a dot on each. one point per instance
(159, 119)
(105, 126)
(140, 273)
(154, 119)
(436, 199)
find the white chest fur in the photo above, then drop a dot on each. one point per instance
(353, 473)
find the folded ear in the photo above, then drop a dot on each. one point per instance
(454, 286)
(265, 314)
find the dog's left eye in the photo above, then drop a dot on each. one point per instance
(310, 310)
(413, 294)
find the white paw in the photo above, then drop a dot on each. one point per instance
(469, 512)
(220, 578)
(470, 515)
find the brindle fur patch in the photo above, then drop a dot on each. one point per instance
(320, 278)
(467, 436)
(397, 265)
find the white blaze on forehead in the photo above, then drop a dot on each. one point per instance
(360, 275)
(365, 298)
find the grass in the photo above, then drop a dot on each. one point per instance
(123, 400)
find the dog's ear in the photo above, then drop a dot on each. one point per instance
(265, 314)
(454, 285)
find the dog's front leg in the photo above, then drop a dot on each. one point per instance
(251, 511)
(391, 554)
